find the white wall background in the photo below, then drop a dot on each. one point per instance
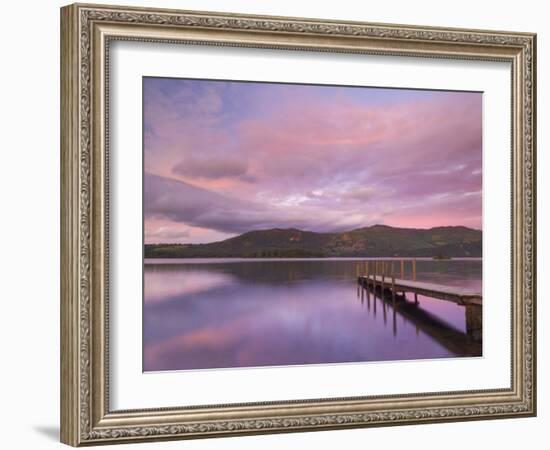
(29, 225)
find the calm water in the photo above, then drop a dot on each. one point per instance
(219, 313)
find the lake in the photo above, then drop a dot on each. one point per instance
(223, 313)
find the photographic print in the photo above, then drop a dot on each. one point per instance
(294, 224)
(293, 213)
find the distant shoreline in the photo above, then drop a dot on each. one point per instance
(327, 258)
(380, 240)
(408, 257)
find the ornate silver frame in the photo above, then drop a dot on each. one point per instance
(86, 31)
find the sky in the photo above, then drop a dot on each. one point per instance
(225, 157)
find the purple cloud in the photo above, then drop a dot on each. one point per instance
(229, 157)
(212, 168)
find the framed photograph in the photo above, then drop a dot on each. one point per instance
(275, 224)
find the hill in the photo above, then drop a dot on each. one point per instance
(374, 241)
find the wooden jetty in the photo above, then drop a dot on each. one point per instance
(379, 275)
(432, 290)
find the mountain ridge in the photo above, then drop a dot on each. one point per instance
(373, 241)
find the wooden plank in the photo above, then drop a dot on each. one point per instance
(433, 290)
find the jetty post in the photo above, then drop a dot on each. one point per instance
(393, 288)
(383, 278)
(474, 322)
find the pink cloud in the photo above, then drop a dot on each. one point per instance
(310, 154)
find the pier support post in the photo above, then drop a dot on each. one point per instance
(402, 269)
(415, 298)
(384, 312)
(369, 281)
(414, 269)
(376, 274)
(474, 321)
(367, 284)
(368, 299)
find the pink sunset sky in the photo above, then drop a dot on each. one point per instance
(222, 158)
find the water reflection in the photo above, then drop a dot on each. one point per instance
(465, 342)
(227, 313)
